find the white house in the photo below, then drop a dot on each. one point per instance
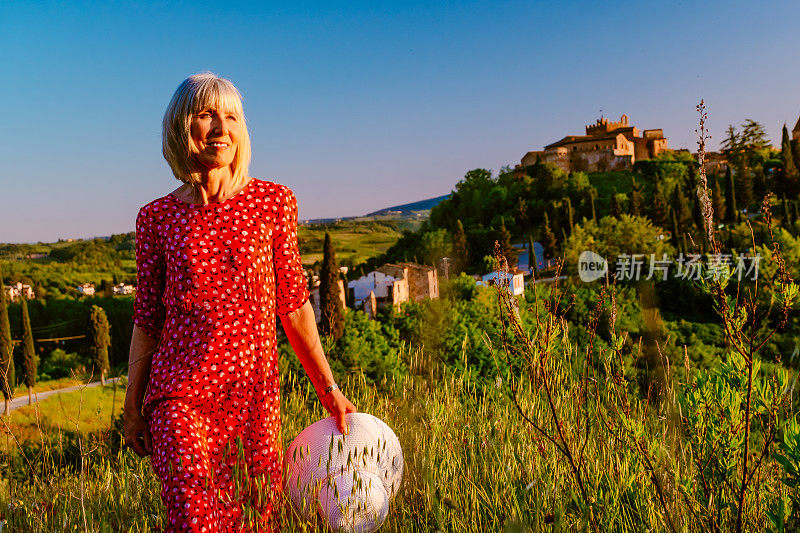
(381, 285)
(123, 289)
(19, 289)
(86, 288)
(516, 281)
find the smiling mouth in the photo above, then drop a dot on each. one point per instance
(218, 145)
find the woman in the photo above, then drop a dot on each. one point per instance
(217, 259)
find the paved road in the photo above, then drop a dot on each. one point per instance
(22, 400)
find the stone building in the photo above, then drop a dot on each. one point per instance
(606, 146)
(392, 284)
(423, 281)
(86, 289)
(796, 131)
(19, 289)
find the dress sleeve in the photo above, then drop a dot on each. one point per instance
(290, 280)
(149, 311)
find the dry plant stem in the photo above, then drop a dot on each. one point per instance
(507, 309)
(749, 347)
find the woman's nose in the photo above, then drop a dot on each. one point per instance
(219, 125)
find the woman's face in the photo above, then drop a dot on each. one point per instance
(215, 133)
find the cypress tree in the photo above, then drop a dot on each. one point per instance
(28, 350)
(744, 185)
(533, 261)
(718, 201)
(549, 241)
(759, 183)
(680, 208)
(100, 339)
(588, 204)
(785, 211)
(789, 164)
(730, 196)
(697, 215)
(521, 215)
(504, 237)
(330, 305)
(636, 199)
(615, 209)
(569, 215)
(7, 380)
(691, 176)
(659, 212)
(676, 240)
(106, 289)
(460, 249)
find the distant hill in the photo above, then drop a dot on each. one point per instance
(407, 209)
(415, 210)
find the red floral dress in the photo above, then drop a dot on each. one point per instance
(211, 279)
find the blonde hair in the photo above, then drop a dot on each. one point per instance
(194, 94)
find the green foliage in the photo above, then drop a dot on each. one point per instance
(718, 202)
(659, 211)
(730, 196)
(460, 253)
(715, 414)
(612, 237)
(636, 200)
(507, 249)
(549, 241)
(60, 364)
(482, 202)
(368, 346)
(680, 208)
(666, 173)
(94, 252)
(615, 210)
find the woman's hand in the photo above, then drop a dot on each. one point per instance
(337, 405)
(137, 433)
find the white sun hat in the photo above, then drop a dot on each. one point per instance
(348, 480)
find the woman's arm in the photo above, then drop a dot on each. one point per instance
(136, 429)
(301, 329)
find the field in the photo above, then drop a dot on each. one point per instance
(87, 411)
(558, 440)
(354, 240)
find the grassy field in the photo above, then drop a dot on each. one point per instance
(89, 410)
(42, 386)
(354, 241)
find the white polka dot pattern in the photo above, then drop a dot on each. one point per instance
(211, 279)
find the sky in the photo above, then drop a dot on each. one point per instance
(359, 106)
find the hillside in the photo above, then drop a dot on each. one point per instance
(418, 210)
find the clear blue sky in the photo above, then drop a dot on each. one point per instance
(365, 105)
